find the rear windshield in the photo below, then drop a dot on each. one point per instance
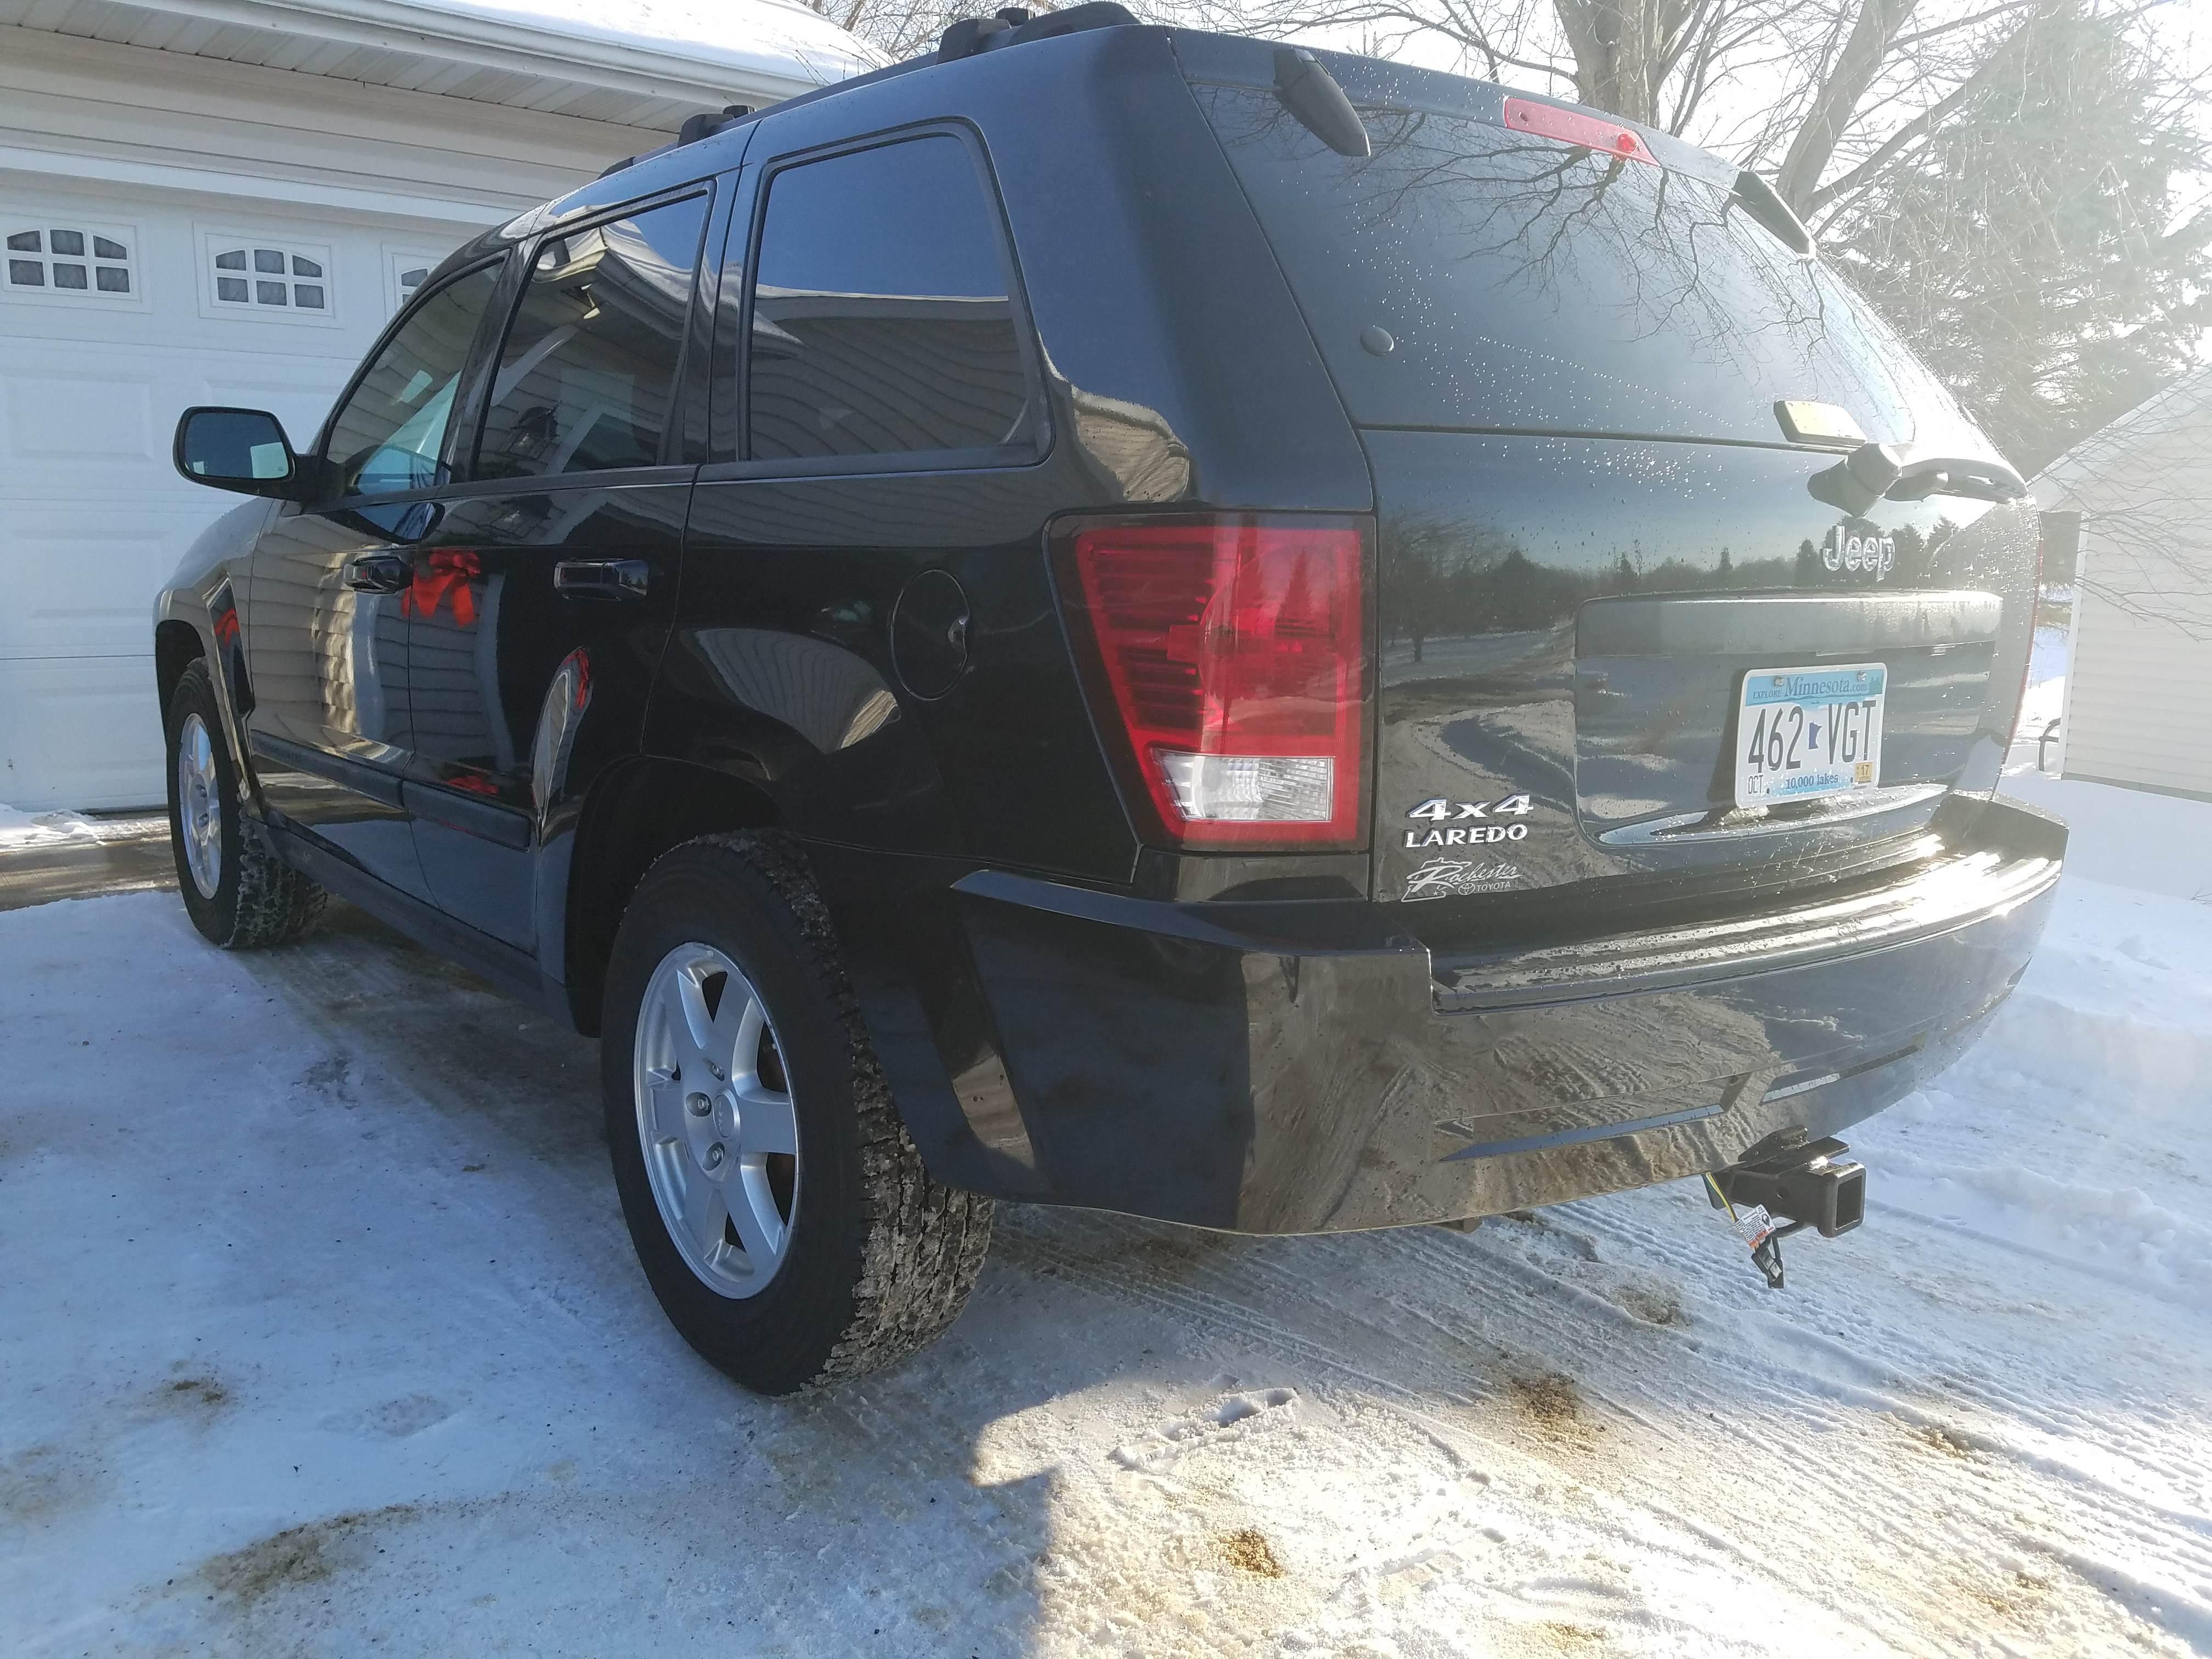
(1524, 283)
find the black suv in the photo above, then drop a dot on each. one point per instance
(1127, 617)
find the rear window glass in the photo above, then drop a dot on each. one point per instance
(1529, 284)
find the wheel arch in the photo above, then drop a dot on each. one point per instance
(639, 811)
(176, 645)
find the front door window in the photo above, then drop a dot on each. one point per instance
(587, 377)
(392, 431)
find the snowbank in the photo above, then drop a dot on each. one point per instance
(19, 829)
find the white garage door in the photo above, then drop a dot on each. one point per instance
(116, 312)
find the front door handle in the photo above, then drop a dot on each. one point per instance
(601, 579)
(379, 572)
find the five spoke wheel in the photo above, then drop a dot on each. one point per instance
(715, 1120)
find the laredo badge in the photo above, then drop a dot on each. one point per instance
(1476, 834)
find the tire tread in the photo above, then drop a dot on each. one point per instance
(271, 903)
(925, 1242)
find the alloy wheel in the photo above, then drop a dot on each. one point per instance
(199, 805)
(715, 1119)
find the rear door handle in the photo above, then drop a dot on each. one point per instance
(378, 573)
(601, 579)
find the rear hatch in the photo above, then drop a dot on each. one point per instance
(1632, 665)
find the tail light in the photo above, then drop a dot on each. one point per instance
(1228, 667)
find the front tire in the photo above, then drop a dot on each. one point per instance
(239, 894)
(778, 1206)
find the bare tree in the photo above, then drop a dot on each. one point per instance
(1823, 95)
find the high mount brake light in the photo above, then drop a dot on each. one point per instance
(1228, 665)
(1548, 121)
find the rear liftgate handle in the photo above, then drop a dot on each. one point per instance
(601, 579)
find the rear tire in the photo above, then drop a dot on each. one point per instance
(235, 888)
(730, 1036)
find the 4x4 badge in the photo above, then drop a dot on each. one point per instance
(1440, 809)
(1477, 835)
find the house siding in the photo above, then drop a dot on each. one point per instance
(2139, 674)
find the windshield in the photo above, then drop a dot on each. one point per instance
(1466, 275)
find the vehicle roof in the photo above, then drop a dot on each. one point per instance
(1204, 57)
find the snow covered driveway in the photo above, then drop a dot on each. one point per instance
(319, 1334)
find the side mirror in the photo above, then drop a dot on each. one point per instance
(241, 449)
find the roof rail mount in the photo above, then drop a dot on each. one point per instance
(709, 122)
(1015, 27)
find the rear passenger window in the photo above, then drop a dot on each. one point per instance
(881, 324)
(587, 377)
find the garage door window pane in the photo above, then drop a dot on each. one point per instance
(588, 374)
(881, 321)
(254, 279)
(67, 259)
(389, 434)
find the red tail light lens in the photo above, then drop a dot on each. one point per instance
(1233, 652)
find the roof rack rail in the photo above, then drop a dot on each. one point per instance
(1016, 24)
(1013, 26)
(705, 124)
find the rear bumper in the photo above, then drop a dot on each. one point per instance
(1300, 1068)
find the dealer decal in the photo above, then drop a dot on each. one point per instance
(1458, 878)
(1480, 834)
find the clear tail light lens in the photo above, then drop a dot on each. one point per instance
(1228, 665)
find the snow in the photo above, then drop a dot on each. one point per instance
(2045, 700)
(323, 1336)
(20, 828)
(780, 36)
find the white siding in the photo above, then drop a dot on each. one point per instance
(2139, 674)
(2135, 700)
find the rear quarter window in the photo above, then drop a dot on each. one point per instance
(1529, 284)
(882, 322)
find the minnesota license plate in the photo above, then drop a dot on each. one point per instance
(1805, 733)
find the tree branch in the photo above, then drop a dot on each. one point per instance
(1837, 99)
(1917, 128)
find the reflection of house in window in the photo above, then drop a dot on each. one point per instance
(270, 278)
(585, 380)
(67, 259)
(880, 374)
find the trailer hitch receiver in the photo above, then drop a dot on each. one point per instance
(1811, 1184)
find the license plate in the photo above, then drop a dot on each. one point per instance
(1805, 733)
